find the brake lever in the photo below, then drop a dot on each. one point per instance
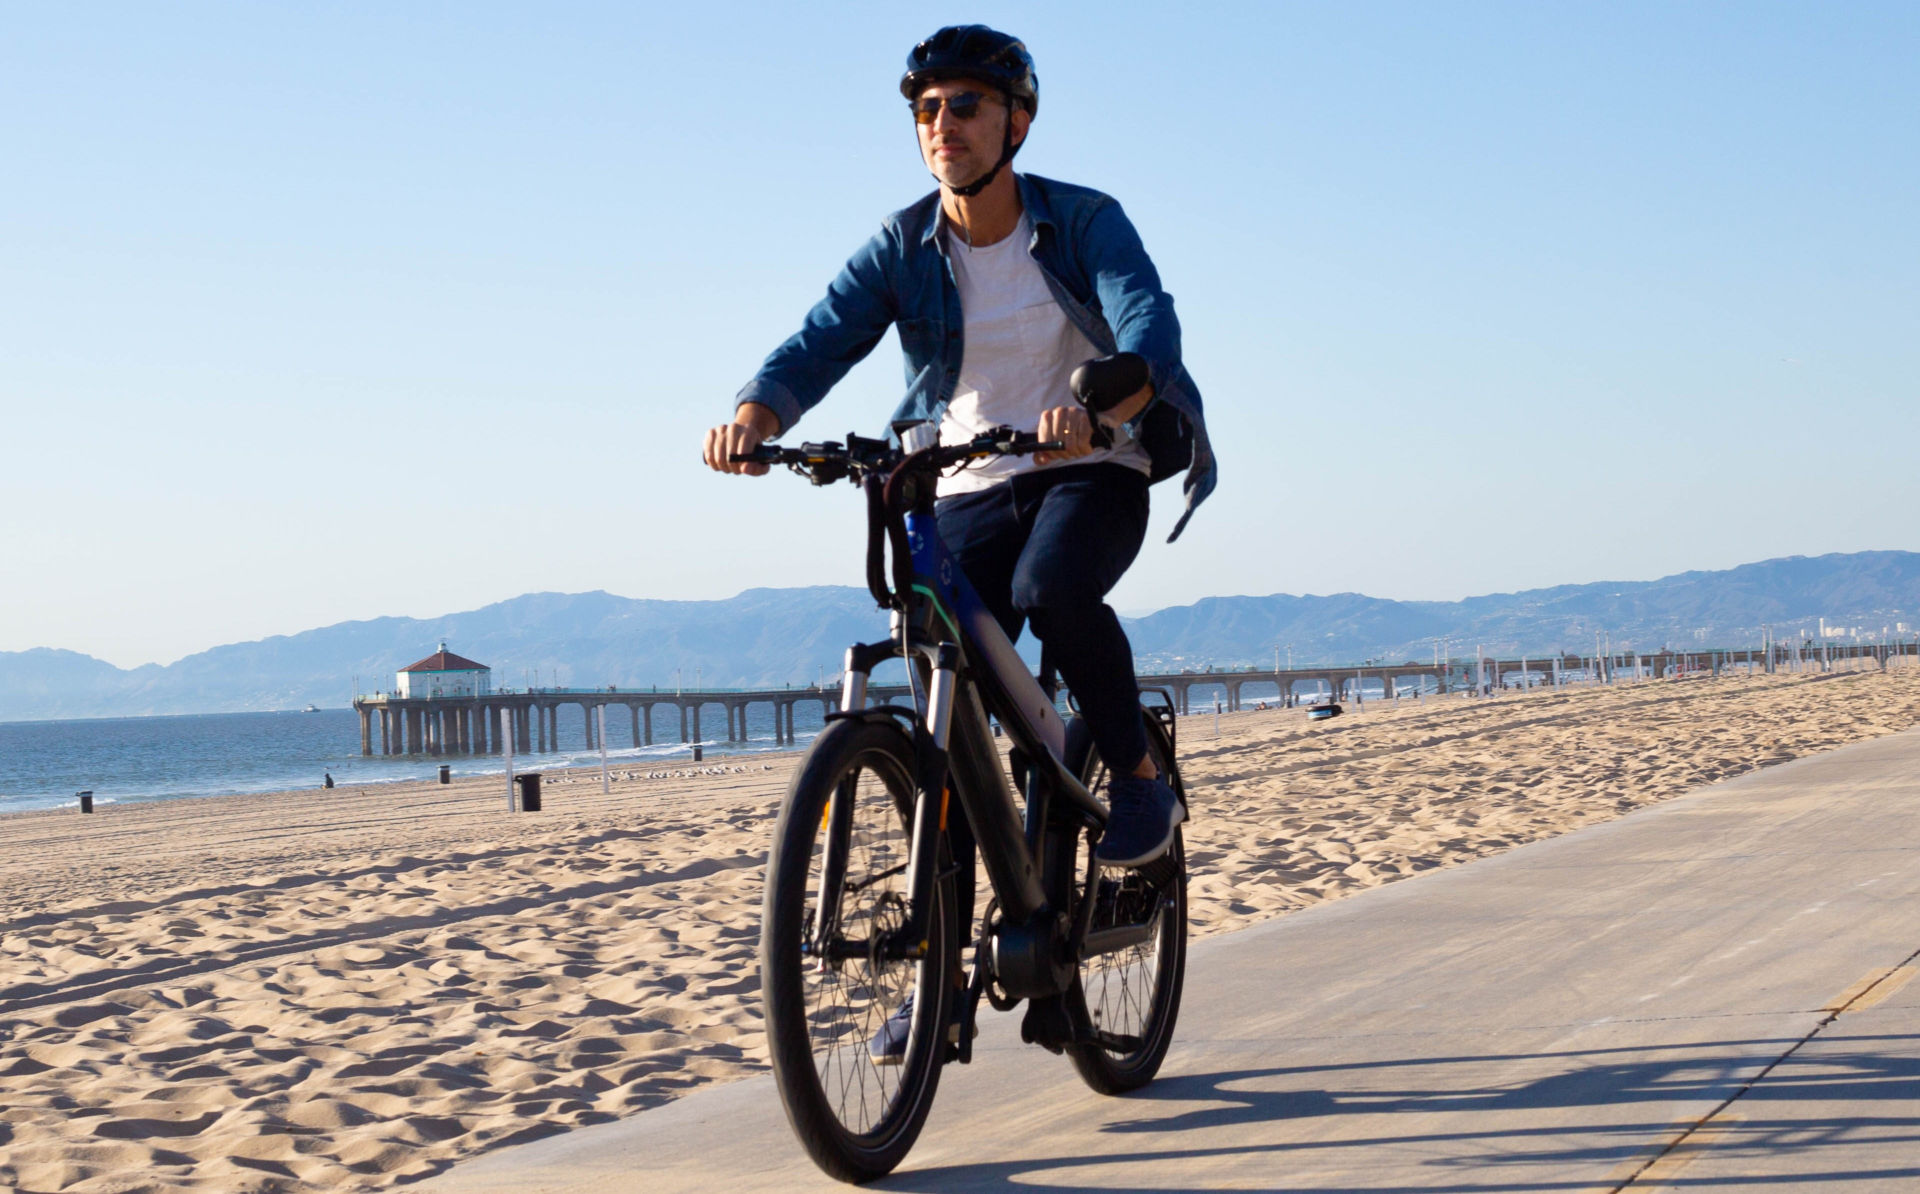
(1101, 435)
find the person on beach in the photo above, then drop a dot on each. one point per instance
(1000, 286)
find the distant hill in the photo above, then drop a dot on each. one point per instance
(793, 636)
(762, 636)
(1861, 591)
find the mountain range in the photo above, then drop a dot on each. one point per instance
(796, 636)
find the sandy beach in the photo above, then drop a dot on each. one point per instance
(351, 989)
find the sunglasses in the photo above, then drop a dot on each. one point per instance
(964, 106)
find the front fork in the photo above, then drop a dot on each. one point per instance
(932, 792)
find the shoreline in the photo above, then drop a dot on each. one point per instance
(625, 757)
(619, 758)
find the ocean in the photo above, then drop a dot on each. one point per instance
(44, 763)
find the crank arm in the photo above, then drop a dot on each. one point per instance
(1111, 941)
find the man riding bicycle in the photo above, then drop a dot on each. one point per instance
(1002, 286)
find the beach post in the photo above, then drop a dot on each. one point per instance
(1216, 716)
(606, 782)
(86, 800)
(507, 739)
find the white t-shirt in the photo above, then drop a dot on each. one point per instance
(1019, 351)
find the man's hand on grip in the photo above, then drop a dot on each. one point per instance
(748, 431)
(1071, 426)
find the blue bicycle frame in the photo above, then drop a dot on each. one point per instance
(943, 628)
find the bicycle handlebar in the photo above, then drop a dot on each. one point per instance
(894, 480)
(824, 463)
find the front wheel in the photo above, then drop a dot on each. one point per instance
(837, 897)
(1131, 996)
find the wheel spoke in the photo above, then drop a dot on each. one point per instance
(1124, 990)
(848, 1006)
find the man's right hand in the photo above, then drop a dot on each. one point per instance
(752, 425)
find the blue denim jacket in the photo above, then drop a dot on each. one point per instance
(1098, 271)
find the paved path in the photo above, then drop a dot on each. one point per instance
(1708, 994)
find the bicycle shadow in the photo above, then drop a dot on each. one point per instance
(1251, 1102)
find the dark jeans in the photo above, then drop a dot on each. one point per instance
(1045, 548)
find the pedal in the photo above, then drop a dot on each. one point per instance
(1047, 1024)
(1115, 1042)
(1160, 873)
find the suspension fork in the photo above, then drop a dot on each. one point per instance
(833, 870)
(931, 792)
(838, 818)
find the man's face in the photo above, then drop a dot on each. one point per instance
(959, 151)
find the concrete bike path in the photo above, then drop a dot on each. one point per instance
(1650, 1002)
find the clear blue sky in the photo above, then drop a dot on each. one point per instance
(333, 311)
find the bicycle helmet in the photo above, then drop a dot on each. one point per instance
(977, 52)
(974, 52)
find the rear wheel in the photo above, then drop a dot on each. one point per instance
(1132, 995)
(837, 894)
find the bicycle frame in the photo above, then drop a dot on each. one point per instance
(944, 629)
(836, 1005)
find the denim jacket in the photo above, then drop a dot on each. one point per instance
(1098, 271)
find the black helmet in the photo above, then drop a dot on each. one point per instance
(974, 52)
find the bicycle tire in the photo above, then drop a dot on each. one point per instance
(1136, 993)
(857, 1120)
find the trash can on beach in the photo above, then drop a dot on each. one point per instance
(529, 791)
(86, 800)
(446, 773)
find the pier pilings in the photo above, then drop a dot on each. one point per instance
(437, 726)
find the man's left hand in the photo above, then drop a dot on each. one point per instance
(1069, 425)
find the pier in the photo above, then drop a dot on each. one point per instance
(469, 725)
(1345, 682)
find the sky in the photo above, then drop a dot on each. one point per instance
(322, 312)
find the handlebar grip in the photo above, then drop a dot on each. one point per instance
(1105, 382)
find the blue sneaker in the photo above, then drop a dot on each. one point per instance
(889, 1044)
(1144, 814)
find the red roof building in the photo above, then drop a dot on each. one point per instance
(444, 674)
(444, 660)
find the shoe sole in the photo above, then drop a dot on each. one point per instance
(1127, 864)
(892, 1059)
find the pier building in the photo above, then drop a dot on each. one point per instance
(444, 675)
